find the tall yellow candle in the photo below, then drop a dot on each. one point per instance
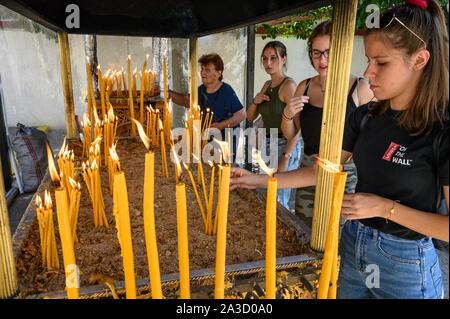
(165, 81)
(271, 219)
(332, 290)
(122, 214)
(332, 235)
(70, 266)
(183, 251)
(222, 234)
(210, 203)
(149, 225)
(134, 83)
(142, 86)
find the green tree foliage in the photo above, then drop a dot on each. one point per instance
(301, 25)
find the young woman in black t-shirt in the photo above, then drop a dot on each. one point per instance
(386, 248)
(303, 113)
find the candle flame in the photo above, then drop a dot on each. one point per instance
(51, 165)
(86, 122)
(210, 163)
(225, 149)
(47, 200)
(63, 148)
(110, 113)
(327, 165)
(97, 141)
(38, 201)
(113, 154)
(177, 160)
(72, 183)
(269, 171)
(142, 134)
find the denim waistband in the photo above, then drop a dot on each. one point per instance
(377, 234)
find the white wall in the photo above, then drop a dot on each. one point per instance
(298, 64)
(232, 47)
(32, 86)
(31, 78)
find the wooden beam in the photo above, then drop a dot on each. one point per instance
(333, 119)
(193, 71)
(8, 274)
(66, 76)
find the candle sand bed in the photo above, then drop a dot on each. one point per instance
(98, 253)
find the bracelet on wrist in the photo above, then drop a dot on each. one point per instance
(391, 211)
(285, 117)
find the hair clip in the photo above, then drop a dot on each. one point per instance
(398, 20)
(423, 4)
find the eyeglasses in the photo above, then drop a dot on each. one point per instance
(398, 20)
(316, 54)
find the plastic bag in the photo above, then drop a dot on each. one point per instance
(29, 144)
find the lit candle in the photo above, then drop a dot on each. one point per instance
(134, 83)
(143, 86)
(71, 269)
(163, 149)
(222, 233)
(149, 226)
(196, 193)
(122, 214)
(183, 251)
(271, 219)
(329, 262)
(149, 216)
(210, 201)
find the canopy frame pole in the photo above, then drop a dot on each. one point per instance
(193, 71)
(333, 119)
(66, 76)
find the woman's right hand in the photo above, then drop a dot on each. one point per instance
(295, 105)
(260, 97)
(241, 178)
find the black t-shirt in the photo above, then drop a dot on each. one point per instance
(311, 121)
(395, 165)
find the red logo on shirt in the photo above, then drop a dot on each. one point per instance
(391, 150)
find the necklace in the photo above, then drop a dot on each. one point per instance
(272, 88)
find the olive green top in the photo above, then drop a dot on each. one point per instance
(271, 110)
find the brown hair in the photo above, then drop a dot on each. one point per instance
(323, 28)
(213, 58)
(430, 103)
(279, 47)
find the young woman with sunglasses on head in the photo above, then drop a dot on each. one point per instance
(400, 146)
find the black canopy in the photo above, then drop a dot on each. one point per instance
(162, 18)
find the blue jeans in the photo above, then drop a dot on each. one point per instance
(287, 196)
(377, 265)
